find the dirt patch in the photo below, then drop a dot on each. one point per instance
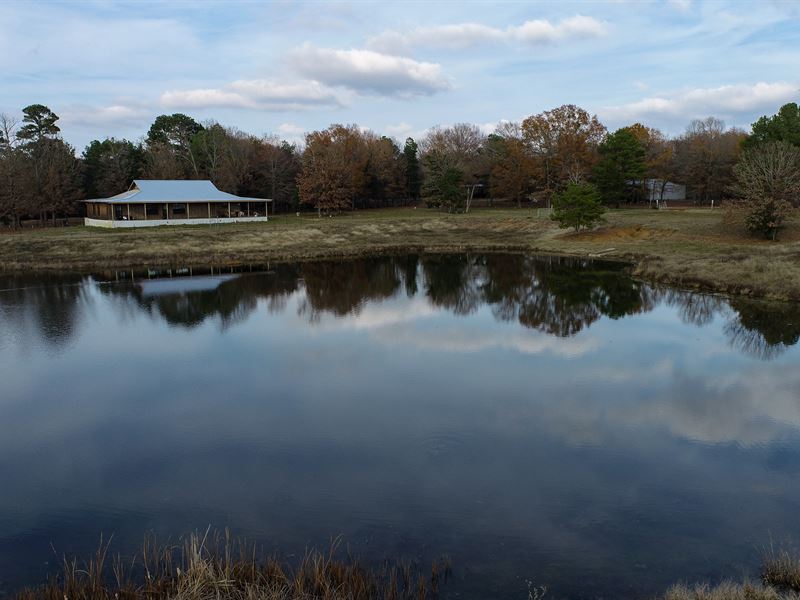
(614, 234)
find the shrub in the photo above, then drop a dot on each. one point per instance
(767, 183)
(577, 206)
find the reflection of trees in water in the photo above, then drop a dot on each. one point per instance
(754, 327)
(454, 282)
(49, 302)
(560, 296)
(695, 309)
(763, 329)
(342, 287)
(408, 265)
(232, 300)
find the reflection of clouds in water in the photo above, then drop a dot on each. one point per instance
(413, 323)
(745, 407)
(394, 415)
(374, 315)
(475, 339)
(630, 374)
(748, 408)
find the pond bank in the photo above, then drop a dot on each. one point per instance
(223, 568)
(688, 248)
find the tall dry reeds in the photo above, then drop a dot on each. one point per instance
(219, 566)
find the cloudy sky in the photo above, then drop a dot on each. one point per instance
(108, 68)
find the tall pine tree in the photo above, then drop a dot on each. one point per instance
(621, 168)
(413, 176)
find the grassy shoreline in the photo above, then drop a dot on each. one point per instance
(217, 566)
(690, 248)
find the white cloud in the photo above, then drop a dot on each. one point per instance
(544, 32)
(726, 100)
(259, 94)
(465, 35)
(370, 72)
(400, 129)
(115, 114)
(681, 5)
(490, 127)
(290, 129)
(292, 133)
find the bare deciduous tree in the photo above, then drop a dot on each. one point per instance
(767, 183)
(705, 156)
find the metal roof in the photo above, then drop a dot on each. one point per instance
(174, 190)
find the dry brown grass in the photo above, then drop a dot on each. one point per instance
(218, 567)
(781, 569)
(728, 591)
(690, 248)
(780, 580)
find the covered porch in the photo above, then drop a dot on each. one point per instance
(194, 203)
(133, 214)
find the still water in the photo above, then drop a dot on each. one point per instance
(534, 419)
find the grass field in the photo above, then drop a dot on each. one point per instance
(691, 248)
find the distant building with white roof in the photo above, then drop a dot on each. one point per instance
(151, 202)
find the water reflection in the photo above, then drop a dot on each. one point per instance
(190, 298)
(342, 287)
(763, 330)
(44, 307)
(561, 296)
(557, 296)
(536, 418)
(554, 295)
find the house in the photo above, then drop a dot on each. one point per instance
(151, 202)
(659, 191)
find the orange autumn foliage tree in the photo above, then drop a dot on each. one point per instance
(334, 168)
(563, 143)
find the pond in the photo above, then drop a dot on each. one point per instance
(535, 419)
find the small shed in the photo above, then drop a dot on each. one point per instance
(659, 190)
(152, 202)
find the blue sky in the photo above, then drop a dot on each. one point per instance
(108, 68)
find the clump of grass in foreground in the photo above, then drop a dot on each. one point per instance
(780, 580)
(222, 568)
(782, 570)
(728, 591)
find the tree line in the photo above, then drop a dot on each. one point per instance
(345, 167)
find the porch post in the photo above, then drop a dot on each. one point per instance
(209, 211)
(229, 210)
(266, 210)
(144, 206)
(129, 211)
